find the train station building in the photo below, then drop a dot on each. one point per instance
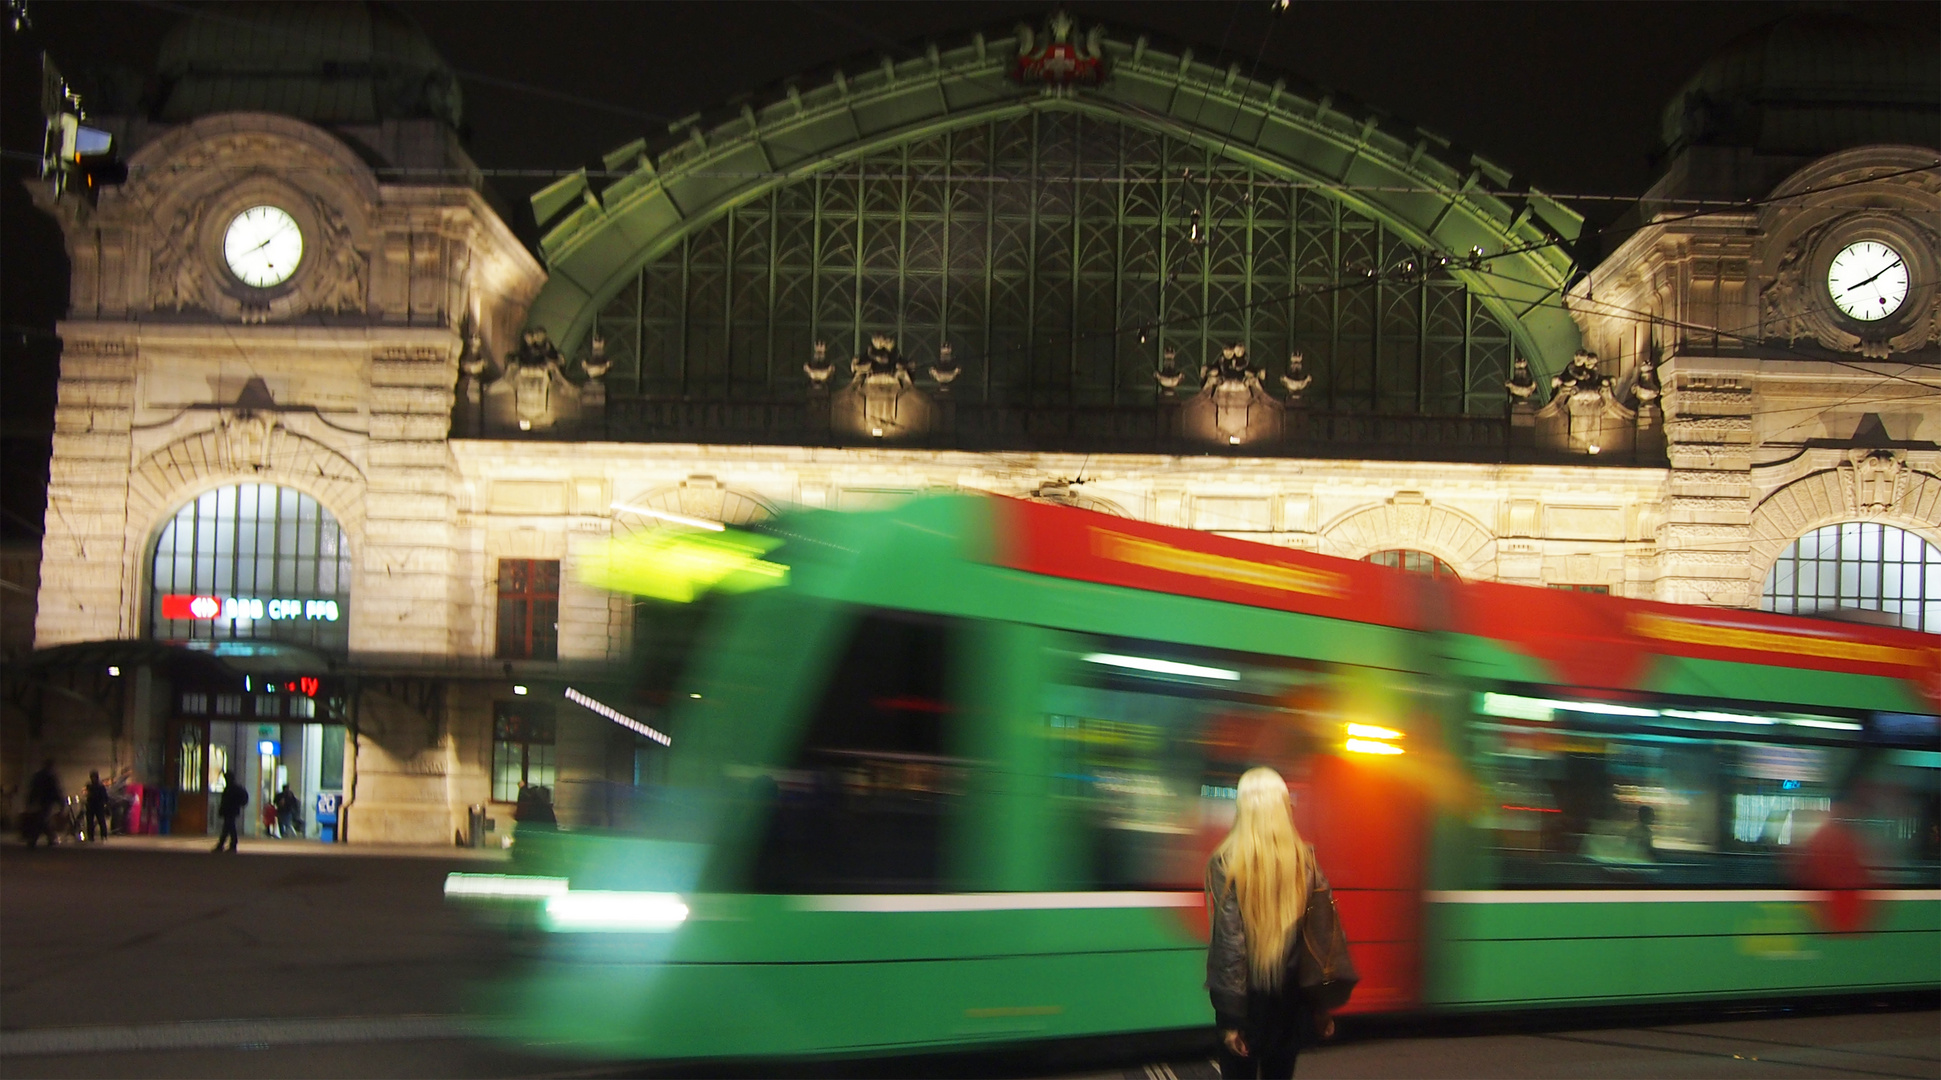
(332, 443)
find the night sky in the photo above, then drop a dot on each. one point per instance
(1566, 95)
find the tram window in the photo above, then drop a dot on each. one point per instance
(1149, 741)
(1895, 806)
(865, 804)
(1579, 804)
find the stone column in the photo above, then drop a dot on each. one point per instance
(404, 589)
(87, 545)
(1708, 504)
(404, 791)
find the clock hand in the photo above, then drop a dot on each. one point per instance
(1876, 276)
(286, 228)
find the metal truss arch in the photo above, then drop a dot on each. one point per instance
(597, 242)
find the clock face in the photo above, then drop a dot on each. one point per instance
(263, 246)
(1868, 280)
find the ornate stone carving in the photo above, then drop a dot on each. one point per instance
(1584, 414)
(1169, 373)
(593, 392)
(882, 401)
(177, 273)
(1409, 512)
(343, 286)
(1233, 407)
(1874, 481)
(945, 370)
(819, 369)
(1786, 294)
(1794, 304)
(1297, 379)
(532, 391)
(1059, 61)
(1522, 383)
(246, 438)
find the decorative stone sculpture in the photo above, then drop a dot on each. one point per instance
(1233, 407)
(343, 289)
(945, 370)
(1169, 374)
(593, 392)
(1522, 384)
(1584, 415)
(1297, 379)
(1580, 377)
(818, 369)
(881, 402)
(469, 404)
(1646, 389)
(533, 392)
(1059, 61)
(175, 274)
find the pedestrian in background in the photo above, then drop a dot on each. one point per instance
(286, 811)
(1257, 887)
(234, 798)
(43, 796)
(96, 824)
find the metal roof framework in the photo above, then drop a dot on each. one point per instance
(1414, 182)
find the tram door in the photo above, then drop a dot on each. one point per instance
(188, 744)
(1367, 823)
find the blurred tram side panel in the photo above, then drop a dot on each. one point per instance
(946, 777)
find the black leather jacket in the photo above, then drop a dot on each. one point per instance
(1226, 952)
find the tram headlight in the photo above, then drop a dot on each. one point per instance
(613, 912)
(1370, 746)
(502, 887)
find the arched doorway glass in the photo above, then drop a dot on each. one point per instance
(1419, 562)
(252, 561)
(1858, 565)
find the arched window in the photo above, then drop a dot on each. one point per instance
(252, 561)
(1420, 562)
(1050, 249)
(1859, 565)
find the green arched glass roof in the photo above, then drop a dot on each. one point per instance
(1413, 182)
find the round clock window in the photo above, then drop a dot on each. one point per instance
(263, 246)
(1867, 280)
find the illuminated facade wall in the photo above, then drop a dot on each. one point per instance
(1042, 232)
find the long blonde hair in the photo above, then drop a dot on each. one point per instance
(1267, 865)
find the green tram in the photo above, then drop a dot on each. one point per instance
(950, 782)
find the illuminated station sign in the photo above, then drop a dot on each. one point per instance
(248, 608)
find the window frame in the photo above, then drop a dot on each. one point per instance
(516, 585)
(535, 725)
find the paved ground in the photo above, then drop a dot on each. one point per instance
(156, 958)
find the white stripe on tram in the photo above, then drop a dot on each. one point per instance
(1019, 901)
(1659, 896)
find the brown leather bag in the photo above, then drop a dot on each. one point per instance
(1324, 972)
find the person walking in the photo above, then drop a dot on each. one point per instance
(1257, 887)
(234, 798)
(96, 823)
(43, 798)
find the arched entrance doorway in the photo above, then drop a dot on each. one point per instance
(259, 575)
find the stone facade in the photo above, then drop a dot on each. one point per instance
(344, 384)
(1779, 409)
(176, 378)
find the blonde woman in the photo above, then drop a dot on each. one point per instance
(1257, 888)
